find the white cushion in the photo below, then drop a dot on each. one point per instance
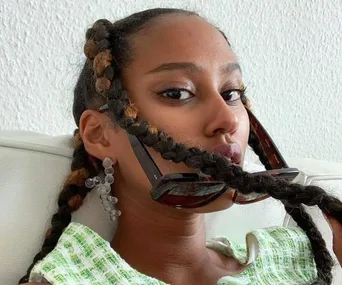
(33, 168)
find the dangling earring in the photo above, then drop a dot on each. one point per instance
(103, 187)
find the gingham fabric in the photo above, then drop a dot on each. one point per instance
(83, 257)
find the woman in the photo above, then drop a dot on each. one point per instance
(177, 72)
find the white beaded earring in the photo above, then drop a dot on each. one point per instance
(103, 187)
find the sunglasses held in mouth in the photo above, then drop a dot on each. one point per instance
(193, 190)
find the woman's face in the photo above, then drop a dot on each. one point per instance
(183, 78)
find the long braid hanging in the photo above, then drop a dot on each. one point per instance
(83, 165)
(301, 217)
(293, 196)
(321, 254)
(69, 200)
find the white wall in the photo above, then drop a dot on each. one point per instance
(290, 52)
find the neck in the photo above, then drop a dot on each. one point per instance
(159, 241)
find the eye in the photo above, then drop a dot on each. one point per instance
(232, 95)
(177, 94)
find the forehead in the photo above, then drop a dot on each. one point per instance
(180, 38)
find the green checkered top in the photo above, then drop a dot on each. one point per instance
(83, 257)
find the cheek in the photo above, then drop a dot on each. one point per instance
(176, 122)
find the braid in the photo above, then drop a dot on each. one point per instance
(97, 49)
(69, 200)
(107, 50)
(322, 257)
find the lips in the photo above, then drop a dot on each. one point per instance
(231, 151)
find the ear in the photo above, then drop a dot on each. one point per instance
(97, 131)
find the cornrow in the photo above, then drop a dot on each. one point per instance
(97, 49)
(108, 50)
(69, 200)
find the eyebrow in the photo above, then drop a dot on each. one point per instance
(192, 67)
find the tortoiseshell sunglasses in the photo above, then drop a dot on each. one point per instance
(193, 190)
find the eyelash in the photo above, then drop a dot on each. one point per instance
(241, 92)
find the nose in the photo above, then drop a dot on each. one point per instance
(222, 118)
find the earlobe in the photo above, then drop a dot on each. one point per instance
(95, 135)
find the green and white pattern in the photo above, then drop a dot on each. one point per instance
(83, 257)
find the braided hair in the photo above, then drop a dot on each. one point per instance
(108, 51)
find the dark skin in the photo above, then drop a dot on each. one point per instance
(166, 243)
